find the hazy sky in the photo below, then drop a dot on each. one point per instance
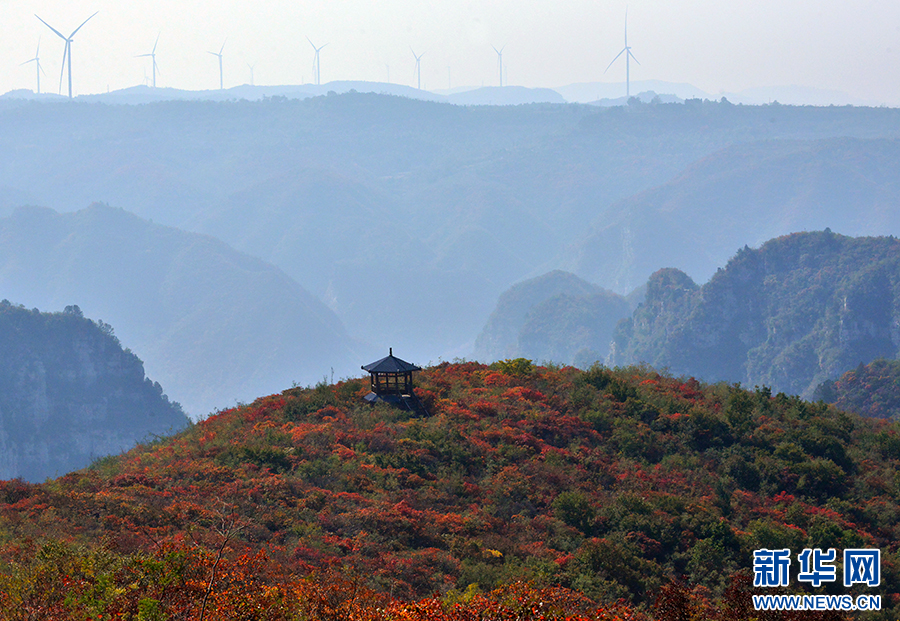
(851, 46)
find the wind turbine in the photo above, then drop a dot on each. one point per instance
(500, 61)
(418, 69)
(221, 82)
(316, 69)
(153, 56)
(67, 51)
(37, 59)
(628, 55)
(252, 67)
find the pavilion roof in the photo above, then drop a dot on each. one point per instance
(390, 364)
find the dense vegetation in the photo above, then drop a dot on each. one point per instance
(523, 485)
(798, 310)
(869, 390)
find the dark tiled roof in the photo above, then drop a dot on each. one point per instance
(390, 364)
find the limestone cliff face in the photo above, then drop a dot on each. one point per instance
(799, 310)
(69, 394)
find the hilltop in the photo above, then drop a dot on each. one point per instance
(603, 484)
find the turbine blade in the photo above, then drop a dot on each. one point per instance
(62, 70)
(28, 61)
(223, 47)
(82, 24)
(52, 28)
(614, 60)
(311, 43)
(495, 49)
(154, 44)
(632, 57)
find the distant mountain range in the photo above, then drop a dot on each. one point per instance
(213, 325)
(613, 93)
(477, 96)
(743, 195)
(69, 394)
(409, 218)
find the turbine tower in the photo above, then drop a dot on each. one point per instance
(500, 61)
(628, 55)
(418, 69)
(219, 54)
(317, 72)
(37, 60)
(67, 51)
(153, 56)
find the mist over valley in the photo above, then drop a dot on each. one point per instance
(408, 218)
(241, 247)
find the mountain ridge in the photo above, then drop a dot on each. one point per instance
(799, 310)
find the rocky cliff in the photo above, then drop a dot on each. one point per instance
(69, 393)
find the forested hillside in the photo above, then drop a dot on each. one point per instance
(797, 311)
(869, 390)
(620, 485)
(69, 394)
